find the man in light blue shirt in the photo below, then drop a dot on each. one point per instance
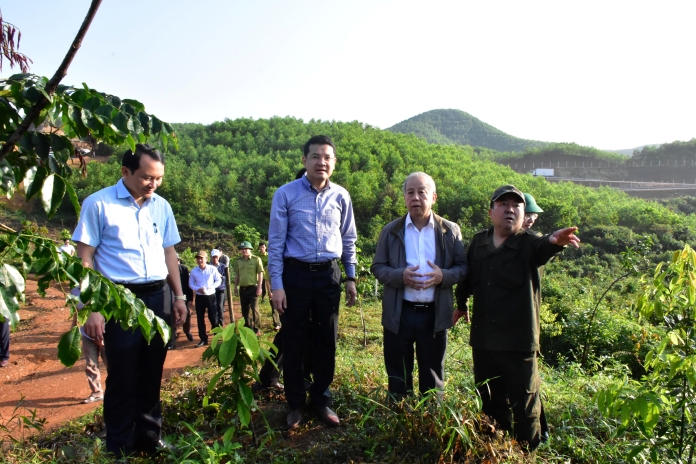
(128, 233)
(204, 280)
(312, 227)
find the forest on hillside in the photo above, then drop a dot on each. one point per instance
(675, 151)
(225, 174)
(457, 127)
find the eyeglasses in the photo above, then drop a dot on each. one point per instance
(315, 158)
(532, 216)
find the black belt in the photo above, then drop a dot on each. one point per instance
(312, 267)
(148, 287)
(247, 286)
(417, 306)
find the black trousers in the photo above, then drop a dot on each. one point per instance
(132, 410)
(270, 374)
(508, 382)
(220, 303)
(312, 308)
(204, 302)
(415, 328)
(5, 340)
(249, 302)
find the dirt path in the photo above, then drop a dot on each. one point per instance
(35, 372)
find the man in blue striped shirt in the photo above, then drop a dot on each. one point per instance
(312, 227)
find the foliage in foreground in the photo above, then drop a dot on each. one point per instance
(42, 163)
(661, 406)
(374, 428)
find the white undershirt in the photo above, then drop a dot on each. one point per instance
(420, 247)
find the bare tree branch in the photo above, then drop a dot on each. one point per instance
(50, 89)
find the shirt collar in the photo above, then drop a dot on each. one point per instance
(431, 221)
(122, 192)
(512, 241)
(310, 187)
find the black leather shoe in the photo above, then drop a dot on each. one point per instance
(327, 416)
(189, 335)
(294, 418)
(171, 346)
(202, 343)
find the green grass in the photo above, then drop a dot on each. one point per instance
(373, 429)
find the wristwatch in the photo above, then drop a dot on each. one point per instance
(350, 279)
(180, 298)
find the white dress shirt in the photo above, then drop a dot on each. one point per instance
(209, 279)
(420, 247)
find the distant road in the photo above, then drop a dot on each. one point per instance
(624, 185)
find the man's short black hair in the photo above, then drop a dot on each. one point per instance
(262, 243)
(319, 140)
(132, 160)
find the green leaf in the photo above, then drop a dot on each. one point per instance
(9, 305)
(114, 100)
(137, 106)
(144, 122)
(227, 351)
(244, 413)
(214, 381)
(250, 342)
(145, 325)
(131, 142)
(246, 394)
(52, 194)
(163, 329)
(156, 125)
(69, 347)
(92, 103)
(120, 121)
(104, 112)
(10, 274)
(73, 198)
(33, 180)
(42, 144)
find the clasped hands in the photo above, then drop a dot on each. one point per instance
(413, 279)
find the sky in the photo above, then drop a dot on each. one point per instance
(608, 74)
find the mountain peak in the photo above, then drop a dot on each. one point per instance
(451, 126)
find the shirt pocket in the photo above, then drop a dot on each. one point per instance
(510, 274)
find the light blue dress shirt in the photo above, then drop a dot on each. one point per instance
(129, 239)
(310, 226)
(208, 279)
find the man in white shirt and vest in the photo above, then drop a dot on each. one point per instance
(203, 280)
(419, 258)
(128, 233)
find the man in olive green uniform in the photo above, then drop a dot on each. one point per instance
(266, 285)
(248, 277)
(504, 279)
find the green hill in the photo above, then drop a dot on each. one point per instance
(675, 151)
(448, 127)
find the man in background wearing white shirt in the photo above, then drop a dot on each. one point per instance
(419, 258)
(203, 280)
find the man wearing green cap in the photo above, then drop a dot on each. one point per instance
(531, 211)
(248, 277)
(504, 280)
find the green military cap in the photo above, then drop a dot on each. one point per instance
(531, 205)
